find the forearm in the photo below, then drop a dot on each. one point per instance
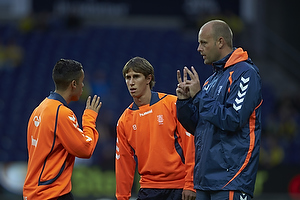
(124, 165)
(90, 132)
(124, 177)
(187, 114)
(189, 162)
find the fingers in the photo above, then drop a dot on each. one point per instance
(94, 104)
(190, 73)
(181, 93)
(195, 73)
(179, 76)
(95, 100)
(88, 102)
(188, 195)
(185, 74)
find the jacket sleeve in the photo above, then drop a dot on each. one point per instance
(78, 142)
(189, 154)
(243, 97)
(124, 165)
(187, 114)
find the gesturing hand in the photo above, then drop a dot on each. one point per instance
(95, 104)
(182, 90)
(187, 88)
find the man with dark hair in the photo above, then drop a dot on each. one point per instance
(54, 137)
(224, 116)
(149, 135)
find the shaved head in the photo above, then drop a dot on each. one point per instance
(219, 29)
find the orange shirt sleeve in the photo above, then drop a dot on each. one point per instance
(78, 142)
(124, 164)
(189, 154)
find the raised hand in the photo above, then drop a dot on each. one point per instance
(182, 90)
(187, 88)
(193, 84)
(95, 104)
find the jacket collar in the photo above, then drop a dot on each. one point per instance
(237, 55)
(58, 97)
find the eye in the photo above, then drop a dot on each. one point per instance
(203, 42)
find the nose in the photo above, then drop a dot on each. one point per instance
(199, 49)
(130, 81)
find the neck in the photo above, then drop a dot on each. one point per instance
(65, 95)
(143, 100)
(226, 51)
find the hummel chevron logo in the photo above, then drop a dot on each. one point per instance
(243, 198)
(243, 88)
(241, 94)
(245, 80)
(238, 101)
(87, 138)
(188, 134)
(237, 105)
(118, 150)
(72, 118)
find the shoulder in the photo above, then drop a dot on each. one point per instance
(126, 112)
(245, 68)
(167, 97)
(64, 112)
(53, 106)
(167, 101)
(64, 108)
(246, 65)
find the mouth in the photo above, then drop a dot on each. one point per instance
(132, 90)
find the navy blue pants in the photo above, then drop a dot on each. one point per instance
(159, 194)
(221, 195)
(68, 196)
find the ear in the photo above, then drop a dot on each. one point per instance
(149, 78)
(73, 84)
(220, 42)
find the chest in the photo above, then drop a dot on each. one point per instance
(218, 85)
(150, 124)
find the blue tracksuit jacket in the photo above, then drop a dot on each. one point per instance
(225, 118)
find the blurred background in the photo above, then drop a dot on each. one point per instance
(103, 35)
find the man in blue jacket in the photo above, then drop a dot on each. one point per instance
(224, 116)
